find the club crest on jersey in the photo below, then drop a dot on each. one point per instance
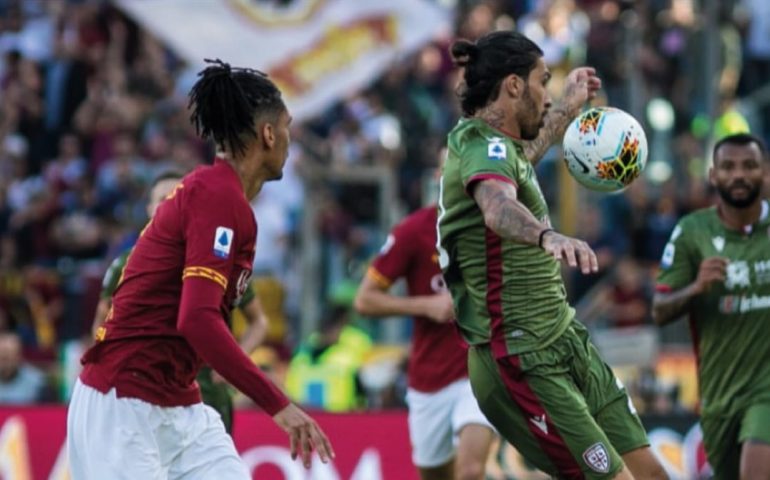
(496, 149)
(597, 458)
(223, 241)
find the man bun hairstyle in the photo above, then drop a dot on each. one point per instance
(488, 61)
(226, 101)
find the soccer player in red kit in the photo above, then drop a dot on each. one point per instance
(136, 410)
(442, 410)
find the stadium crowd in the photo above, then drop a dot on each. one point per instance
(92, 107)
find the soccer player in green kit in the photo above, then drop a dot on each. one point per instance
(716, 268)
(533, 370)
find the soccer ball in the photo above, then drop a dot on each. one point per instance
(605, 149)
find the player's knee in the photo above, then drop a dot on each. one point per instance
(470, 470)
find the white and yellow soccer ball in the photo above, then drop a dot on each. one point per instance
(605, 149)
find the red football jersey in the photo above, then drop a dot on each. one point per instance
(204, 228)
(439, 355)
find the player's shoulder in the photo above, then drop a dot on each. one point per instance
(698, 219)
(419, 219)
(474, 136)
(212, 185)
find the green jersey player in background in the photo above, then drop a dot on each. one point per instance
(716, 268)
(533, 370)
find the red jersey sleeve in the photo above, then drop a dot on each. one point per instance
(394, 258)
(210, 231)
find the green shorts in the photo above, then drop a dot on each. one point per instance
(723, 436)
(217, 396)
(561, 407)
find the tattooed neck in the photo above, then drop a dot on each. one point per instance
(495, 117)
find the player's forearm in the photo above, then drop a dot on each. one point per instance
(377, 303)
(667, 307)
(505, 215)
(556, 123)
(200, 323)
(255, 333)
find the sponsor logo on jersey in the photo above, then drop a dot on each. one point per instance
(596, 458)
(719, 243)
(743, 303)
(762, 271)
(223, 242)
(496, 149)
(737, 275)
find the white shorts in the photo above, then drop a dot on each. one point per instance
(436, 418)
(126, 438)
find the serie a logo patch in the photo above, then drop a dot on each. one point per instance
(223, 241)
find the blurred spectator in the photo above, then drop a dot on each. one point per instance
(323, 373)
(20, 382)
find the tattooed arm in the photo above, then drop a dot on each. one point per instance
(581, 86)
(505, 215)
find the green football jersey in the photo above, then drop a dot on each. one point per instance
(731, 321)
(507, 294)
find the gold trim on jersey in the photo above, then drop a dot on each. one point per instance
(379, 279)
(205, 272)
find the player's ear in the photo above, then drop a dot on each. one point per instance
(712, 176)
(268, 135)
(513, 86)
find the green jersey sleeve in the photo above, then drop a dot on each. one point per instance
(679, 263)
(113, 274)
(486, 157)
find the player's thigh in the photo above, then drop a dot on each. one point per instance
(754, 437)
(473, 433)
(544, 416)
(108, 437)
(208, 450)
(720, 440)
(430, 427)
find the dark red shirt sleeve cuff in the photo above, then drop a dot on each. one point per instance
(200, 322)
(475, 179)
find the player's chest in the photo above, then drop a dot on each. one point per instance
(749, 257)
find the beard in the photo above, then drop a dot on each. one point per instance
(530, 121)
(751, 196)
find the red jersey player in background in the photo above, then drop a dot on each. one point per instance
(136, 410)
(442, 410)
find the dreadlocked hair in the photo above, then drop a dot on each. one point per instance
(225, 102)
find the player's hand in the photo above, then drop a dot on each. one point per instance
(580, 87)
(439, 307)
(571, 250)
(712, 269)
(304, 435)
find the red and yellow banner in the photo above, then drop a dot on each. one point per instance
(317, 51)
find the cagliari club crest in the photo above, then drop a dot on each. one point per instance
(597, 458)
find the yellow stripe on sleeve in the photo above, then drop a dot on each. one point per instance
(381, 280)
(205, 272)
